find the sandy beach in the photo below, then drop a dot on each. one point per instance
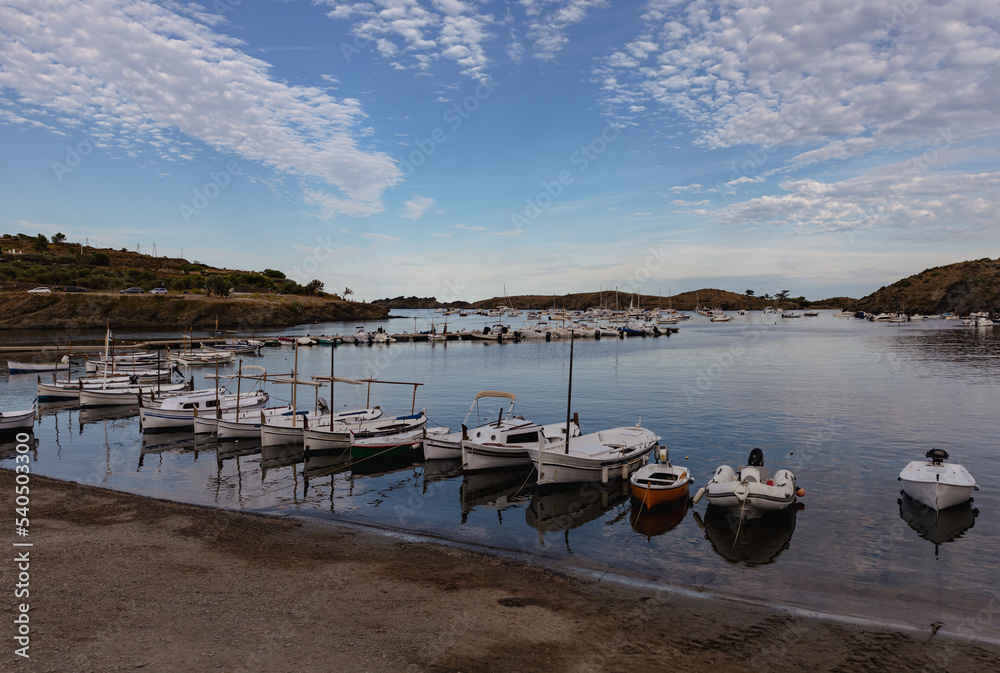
(122, 582)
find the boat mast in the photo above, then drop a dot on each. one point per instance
(569, 391)
(295, 376)
(333, 349)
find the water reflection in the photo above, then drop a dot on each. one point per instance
(90, 415)
(751, 542)
(498, 491)
(938, 527)
(658, 520)
(9, 444)
(158, 443)
(441, 470)
(573, 507)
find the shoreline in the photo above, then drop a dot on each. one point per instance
(122, 580)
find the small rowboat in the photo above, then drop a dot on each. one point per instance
(660, 482)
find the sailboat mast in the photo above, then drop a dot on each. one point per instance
(295, 376)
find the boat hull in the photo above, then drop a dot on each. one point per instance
(443, 447)
(12, 421)
(750, 494)
(939, 486)
(656, 484)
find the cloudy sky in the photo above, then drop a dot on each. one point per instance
(458, 147)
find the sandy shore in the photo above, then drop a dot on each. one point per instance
(122, 582)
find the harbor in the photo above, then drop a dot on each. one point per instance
(803, 391)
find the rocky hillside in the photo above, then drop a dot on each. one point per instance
(20, 310)
(961, 288)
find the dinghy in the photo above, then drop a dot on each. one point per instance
(750, 493)
(935, 483)
(13, 421)
(660, 482)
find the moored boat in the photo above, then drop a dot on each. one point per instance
(14, 421)
(751, 493)
(660, 482)
(594, 457)
(449, 446)
(935, 483)
(16, 367)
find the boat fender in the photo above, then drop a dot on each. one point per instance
(504, 329)
(801, 492)
(697, 496)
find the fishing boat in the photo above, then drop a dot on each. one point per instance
(15, 367)
(935, 483)
(750, 493)
(69, 389)
(449, 446)
(198, 358)
(341, 435)
(14, 421)
(596, 456)
(115, 394)
(660, 482)
(393, 445)
(500, 444)
(176, 413)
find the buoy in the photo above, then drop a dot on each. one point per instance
(687, 457)
(697, 496)
(801, 492)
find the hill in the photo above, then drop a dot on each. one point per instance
(686, 301)
(199, 295)
(961, 288)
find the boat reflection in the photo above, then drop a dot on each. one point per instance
(322, 463)
(496, 490)
(225, 450)
(938, 527)
(9, 444)
(163, 442)
(53, 408)
(658, 520)
(441, 470)
(571, 508)
(90, 415)
(752, 542)
(277, 455)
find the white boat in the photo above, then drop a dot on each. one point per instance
(202, 357)
(596, 456)
(843, 314)
(341, 435)
(393, 444)
(115, 394)
(935, 483)
(236, 425)
(177, 413)
(69, 389)
(12, 421)
(503, 443)
(721, 317)
(751, 493)
(449, 446)
(15, 367)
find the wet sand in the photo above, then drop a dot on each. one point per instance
(122, 582)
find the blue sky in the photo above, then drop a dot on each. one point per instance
(454, 148)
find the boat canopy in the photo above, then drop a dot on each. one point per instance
(495, 393)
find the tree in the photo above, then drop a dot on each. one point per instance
(749, 293)
(40, 243)
(100, 259)
(348, 291)
(273, 273)
(314, 286)
(59, 237)
(782, 296)
(218, 285)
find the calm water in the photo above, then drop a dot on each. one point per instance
(842, 403)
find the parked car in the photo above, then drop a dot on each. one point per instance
(75, 288)
(39, 290)
(131, 290)
(158, 290)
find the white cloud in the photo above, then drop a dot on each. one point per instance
(441, 29)
(141, 75)
(466, 228)
(555, 17)
(416, 207)
(379, 238)
(848, 79)
(680, 202)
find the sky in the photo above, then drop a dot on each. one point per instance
(465, 149)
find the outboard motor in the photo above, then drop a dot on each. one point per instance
(756, 458)
(324, 408)
(486, 330)
(937, 456)
(133, 379)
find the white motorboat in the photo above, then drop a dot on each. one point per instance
(750, 493)
(15, 367)
(721, 317)
(12, 421)
(935, 483)
(449, 446)
(596, 456)
(843, 314)
(176, 413)
(503, 443)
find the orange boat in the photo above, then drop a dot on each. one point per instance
(660, 482)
